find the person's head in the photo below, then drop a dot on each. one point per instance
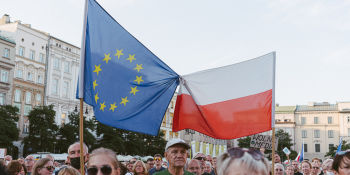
(207, 167)
(279, 169)
(316, 160)
(21, 160)
(295, 165)
(29, 163)
(139, 168)
(24, 169)
(201, 157)
(242, 161)
(129, 166)
(158, 160)
(43, 166)
(277, 158)
(327, 165)
(214, 162)
(69, 171)
(194, 167)
(103, 161)
(209, 159)
(132, 160)
(306, 167)
(341, 163)
(289, 170)
(315, 168)
(150, 163)
(15, 168)
(51, 157)
(176, 153)
(73, 157)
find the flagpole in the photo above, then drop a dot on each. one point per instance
(81, 132)
(273, 151)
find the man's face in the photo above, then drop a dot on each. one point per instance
(277, 158)
(158, 161)
(209, 159)
(176, 156)
(150, 163)
(74, 151)
(29, 161)
(194, 167)
(315, 168)
(295, 165)
(214, 162)
(201, 157)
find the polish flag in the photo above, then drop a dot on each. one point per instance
(228, 102)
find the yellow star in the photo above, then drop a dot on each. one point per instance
(124, 101)
(102, 106)
(131, 58)
(96, 97)
(138, 67)
(113, 106)
(95, 84)
(119, 53)
(97, 68)
(134, 90)
(138, 79)
(107, 58)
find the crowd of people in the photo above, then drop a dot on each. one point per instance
(236, 161)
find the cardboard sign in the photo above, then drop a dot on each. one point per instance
(2, 153)
(262, 141)
(286, 151)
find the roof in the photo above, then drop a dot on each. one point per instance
(328, 107)
(285, 109)
(7, 39)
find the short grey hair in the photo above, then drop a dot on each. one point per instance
(84, 145)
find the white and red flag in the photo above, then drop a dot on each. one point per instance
(228, 102)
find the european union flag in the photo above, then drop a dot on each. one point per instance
(127, 85)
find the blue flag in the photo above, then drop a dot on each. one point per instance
(339, 146)
(128, 86)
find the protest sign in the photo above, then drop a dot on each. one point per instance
(262, 141)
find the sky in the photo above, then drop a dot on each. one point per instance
(311, 38)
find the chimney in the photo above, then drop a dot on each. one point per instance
(5, 19)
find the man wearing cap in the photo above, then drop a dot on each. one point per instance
(176, 155)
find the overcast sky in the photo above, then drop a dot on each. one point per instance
(311, 38)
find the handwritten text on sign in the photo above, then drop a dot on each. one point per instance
(262, 141)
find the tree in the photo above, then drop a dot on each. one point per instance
(42, 130)
(8, 128)
(333, 150)
(244, 142)
(69, 133)
(284, 140)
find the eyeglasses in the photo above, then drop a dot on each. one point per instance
(49, 168)
(105, 169)
(278, 169)
(157, 159)
(27, 160)
(316, 168)
(239, 152)
(200, 158)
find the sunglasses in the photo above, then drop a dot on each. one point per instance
(49, 168)
(239, 152)
(105, 169)
(157, 158)
(200, 158)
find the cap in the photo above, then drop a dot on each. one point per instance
(176, 141)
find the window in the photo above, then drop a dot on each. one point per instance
(56, 64)
(66, 66)
(27, 109)
(305, 147)
(7, 53)
(25, 128)
(29, 76)
(304, 134)
(303, 120)
(32, 54)
(2, 98)
(317, 147)
(38, 98)
(54, 86)
(330, 133)
(18, 95)
(315, 120)
(65, 89)
(330, 120)
(330, 146)
(21, 51)
(28, 97)
(348, 119)
(18, 105)
(40, 79)
(4, 76)
(41, 58)
(316, 133)
(19, 73)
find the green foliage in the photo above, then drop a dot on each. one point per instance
(42, 130)
(8, 128)
(244, 142)
(333, 150)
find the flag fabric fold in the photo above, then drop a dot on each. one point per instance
(127, 85)
(228, 102)
(300, 156)
(340, 145)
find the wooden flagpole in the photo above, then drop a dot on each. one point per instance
(81, 133)
(273, 151)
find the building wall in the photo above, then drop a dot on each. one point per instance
(7, 67)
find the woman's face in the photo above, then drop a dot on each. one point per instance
(207, 168)
(21, 172)
(98, 162)
(139, 168)
(47, 169)
(278, 170)
(305, 168)
(289, 170)
(344, 168)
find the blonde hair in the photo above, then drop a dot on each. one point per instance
(145, 171)
(108, 153)
(68, 171)
(39, 164)
(246, 161)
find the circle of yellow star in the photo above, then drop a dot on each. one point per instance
(138, 67)
(98, 69)
(94, 84)
(102, 106)
(96, 97)
(134, 90)
(131, 58)
(124, 101)
(107, 58)
(113, 106)
(138, 79)
(119, 53)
